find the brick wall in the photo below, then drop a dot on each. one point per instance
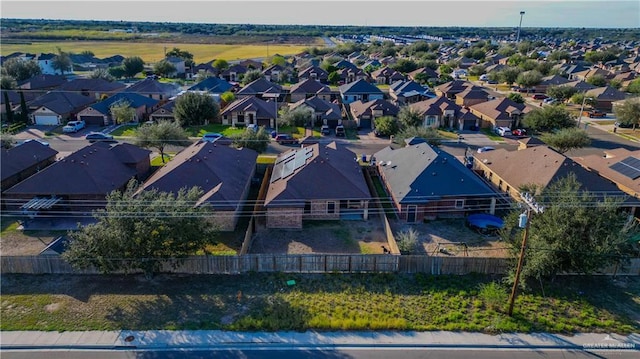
(319, 211)
(284, 218)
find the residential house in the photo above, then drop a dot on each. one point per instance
(605, 96)
(251, 64)
(41, 83)
(213, 85)
(504, 170)
(223, 173)
(553, 80)
(429, 74)
(426, 183)
(154, 89)
(494, 68)
(442, 112)
(365, 113)
(100, 113)
(22, 161)
(465, 62)
(56, 108)
(261, 88)
(348, 75)
(80, 182)
(234, 72)
(309, 88)
(97, 89)
(179, 64)
(326, 113)
(250, 110)
(620, 166)
(472, 95)
(587, 74)
(204, 68)
(317, 182)
(403, 92)
(314, 73)
(452, 88)
(580, 86)
(386, 76)
(344, 64)
(501, 112)
(360, 90)
(275, 73)
(164, 112)
(46, 61)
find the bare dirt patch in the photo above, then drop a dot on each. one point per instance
(323, 237)
(14, 242)
(448, 237)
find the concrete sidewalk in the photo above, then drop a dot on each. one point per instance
(161, 339)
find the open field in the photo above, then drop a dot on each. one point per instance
(323, 302)
(152, 52)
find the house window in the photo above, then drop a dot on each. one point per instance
(331, 207)
(431, 121)
(307, 207)
(500, 184)
(508, 189)
(459, 203)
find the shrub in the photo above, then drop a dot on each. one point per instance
(493, 295)
(408, 241)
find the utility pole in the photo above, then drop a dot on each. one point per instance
(519, 27)
(531, 206)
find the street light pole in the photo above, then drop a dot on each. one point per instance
(519, 27)
(584, 99)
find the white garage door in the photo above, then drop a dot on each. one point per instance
(46, 120)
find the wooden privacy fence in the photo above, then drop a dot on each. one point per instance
(302, 263)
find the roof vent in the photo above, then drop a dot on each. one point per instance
(433, 173)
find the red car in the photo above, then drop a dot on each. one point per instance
(539, 96)
(519, 132)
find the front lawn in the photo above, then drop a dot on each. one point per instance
(264, 301)
(125, 131)
(225, 130)
(492, 135)
(157, 161)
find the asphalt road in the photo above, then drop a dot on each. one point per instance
(318, 353)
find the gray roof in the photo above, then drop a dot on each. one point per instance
(150, 86)
(260, 86)
(262, 108)
(420, 173)
(358, 87)
(310, 86)
(62, 103)
(222, 172)
(17, 159)
(96, 85)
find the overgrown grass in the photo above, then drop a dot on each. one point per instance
(225, 130)
(385, 200)
(125, 131)
(317, 301)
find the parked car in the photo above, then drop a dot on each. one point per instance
(483, 77)
(340, 131)
(623, 125)
(99, 136)
(211, 137)
(485, 149)
(549, 101)
(42, 142)
(286, 139)
(492, 82)
(73, 126)
(325, 130)
(594, 113)
(540, 96)
(503, 131)
(253, 127)
(519, 132)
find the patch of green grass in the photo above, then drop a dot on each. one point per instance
(157, 161)
(225, 130)
(125, 131)
(448, 134)
(317, 301)
(266, 159)
(382, 195)
(9, 225)
(492, 135)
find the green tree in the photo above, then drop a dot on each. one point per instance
(24, 110)
(117, 72)
(7, 82)
(421, 78)
(7, 107)
(561, 93)
(278, 60)
(21, 69)
(300, 116)
(186, 56)
(578, 98)
(559, 55)
(578, 232)
(255, 140)
(62, 62)
(6, 140)
(634, 86)
(220, 64)
(193, 109)
(87, 53)
(509, 75)
(251, 76)
(102, 74)
(476, 70)
(333, 78)
(143, 230)
(506, 51)
(386, 126)
(431, 135)
(549, 118)
(567, 139)
(615, 83)
(161, 134)
(228, 97)
(445, 69)
(516, 59)
(408, 241)
(122, 112)
(529, 78)
(164, 68)
(597, 80)
(408, 117)
(628, 112)
(515, 97)
(405, 65)
(132, 66)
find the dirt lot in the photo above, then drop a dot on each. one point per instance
(445, 237)
(323, 237)
(14, 242)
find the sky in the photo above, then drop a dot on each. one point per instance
(497, 13)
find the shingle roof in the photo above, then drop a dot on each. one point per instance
(135, 100)
(222, 172)
(150, 86)
(96, 169)
(454, 86)
(419, 173)
(331, 111)
(435, 106)
(358, 108)
(359, 86)
(19, 158)
(401, 88)
(42, 82)
(310, 86)
(607, 93)
(473, 92)
(62, 102)
(553, 80)
(329, 173)
(263, 109)
(500, 108)
(602, 166)
(211, 84)
(98, 85)
(260, 86)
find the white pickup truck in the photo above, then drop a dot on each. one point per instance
(73, 126)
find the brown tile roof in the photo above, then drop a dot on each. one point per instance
(222, 172)
(473, 92)
(607, 93)
(500, 108)
(359, 108)
(601, 165)
(329, 172)
(454, 86)
(263, 109)
(435, 106)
